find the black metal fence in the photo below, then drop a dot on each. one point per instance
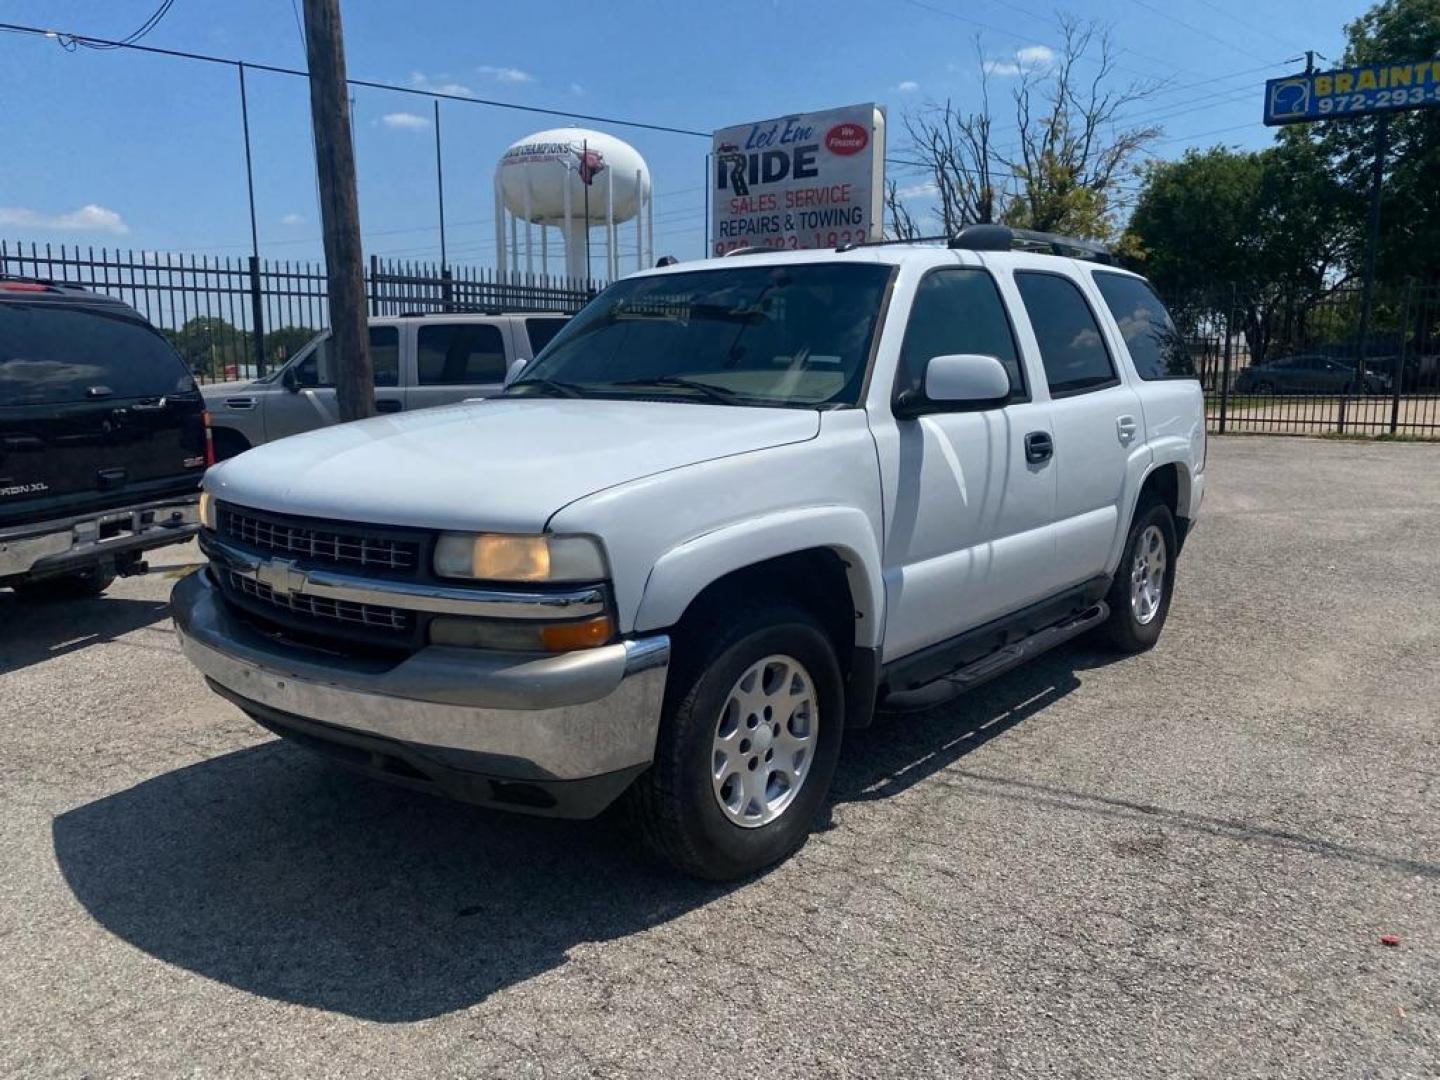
(1319, 373)
(239, 316)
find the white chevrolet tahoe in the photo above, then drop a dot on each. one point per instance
(730, 508)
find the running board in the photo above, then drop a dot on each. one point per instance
(1013, 655)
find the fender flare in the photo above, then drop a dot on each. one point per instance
(683, 572)
(1169, 451)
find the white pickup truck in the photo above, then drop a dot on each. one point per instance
(730, 508)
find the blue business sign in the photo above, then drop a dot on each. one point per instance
(1357, 91)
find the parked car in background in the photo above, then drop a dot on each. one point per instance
(732, 506)
(102, 439)
(420, 361)
(1310, 373)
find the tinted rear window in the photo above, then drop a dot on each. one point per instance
(540, 331)
(1156, 347)
(54, 353)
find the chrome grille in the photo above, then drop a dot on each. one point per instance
(371, 616)
(319, 542)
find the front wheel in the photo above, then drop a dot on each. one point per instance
(747, 746)
(1139, 596)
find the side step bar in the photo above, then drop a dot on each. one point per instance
(1006, 657)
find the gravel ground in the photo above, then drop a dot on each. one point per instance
(1179, 864)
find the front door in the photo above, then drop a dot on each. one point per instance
(968, 513)
(312, 404)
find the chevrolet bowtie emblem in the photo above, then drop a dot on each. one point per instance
(281, 576)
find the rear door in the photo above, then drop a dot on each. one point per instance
(1096, 418)
(311, 402)
(457, 360)
(96, 410)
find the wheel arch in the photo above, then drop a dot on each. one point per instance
(1168, 482)
(812, 553)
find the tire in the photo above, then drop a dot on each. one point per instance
(80, 585)
(1264, 387)
(1136, 615)
(678, 802)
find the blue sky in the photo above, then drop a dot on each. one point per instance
(145, 152)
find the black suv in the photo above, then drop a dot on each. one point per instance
(102, 439)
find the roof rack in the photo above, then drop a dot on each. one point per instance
(1004, 238)
(417, 314)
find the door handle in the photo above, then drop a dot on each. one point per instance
(1039, 447)
(1127, 428)
(388, 405)
(239, 402)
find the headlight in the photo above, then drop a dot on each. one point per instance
(207, 510)
(514, 557)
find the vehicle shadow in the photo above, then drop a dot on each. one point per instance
(271, 871)
(32, 632)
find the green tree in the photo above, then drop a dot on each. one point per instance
(1397, 30)
(211, 346)
(284, 342)
(1261, 235)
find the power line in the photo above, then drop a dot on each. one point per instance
(275, 69)
(1195, 29)
(299, 28)
(1245, 24)
(70, 40)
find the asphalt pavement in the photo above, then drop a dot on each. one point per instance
(1174, 865)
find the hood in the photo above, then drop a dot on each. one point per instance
(505, 464)
(224, 389)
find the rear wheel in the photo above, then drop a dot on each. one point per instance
(1139, 596)
(747, 745)
(1264, 386)
(89, 582)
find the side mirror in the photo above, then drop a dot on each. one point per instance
(290, 380)
(957, 382)
(515, 369)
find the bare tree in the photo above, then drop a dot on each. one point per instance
(902, 225)
(957, 151)
(1070, 149)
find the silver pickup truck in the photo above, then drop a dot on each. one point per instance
(420, 361)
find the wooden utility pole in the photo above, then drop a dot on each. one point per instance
(339, 209)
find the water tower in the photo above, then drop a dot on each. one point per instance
(571, 180)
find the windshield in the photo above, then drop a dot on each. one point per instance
(791, 336)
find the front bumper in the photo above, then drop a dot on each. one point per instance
(53, 547)
(560, 735)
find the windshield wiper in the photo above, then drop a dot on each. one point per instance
(722, 394)
(564, 389)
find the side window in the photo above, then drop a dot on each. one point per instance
(318, 369)
(1155, 345)
(541, 330)
(957, 311)
(1071, 346)
(385, 355)
(457, 354)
